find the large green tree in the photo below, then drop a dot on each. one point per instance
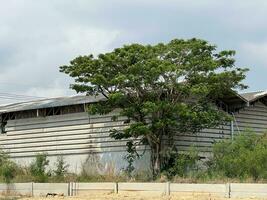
(162, 89)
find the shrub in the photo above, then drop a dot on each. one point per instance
(61, 167)
(244, 157)
(182, 164)
(38, 168)
(8, 168)
(3, 157)
(8, 171)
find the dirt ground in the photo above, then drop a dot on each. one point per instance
(138, 196)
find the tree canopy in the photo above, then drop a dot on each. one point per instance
(163, 89)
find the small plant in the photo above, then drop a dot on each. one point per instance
(61, 167)
(8, 171)
(130, 157)
(38, 168)
(8, 168)
(3, 157)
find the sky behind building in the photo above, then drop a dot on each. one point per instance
(36, 37)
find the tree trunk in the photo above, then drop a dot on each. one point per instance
(156, 160)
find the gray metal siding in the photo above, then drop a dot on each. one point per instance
(252, 118)
(80, 134)
(62, 134)
(83, 134)
(204, 140)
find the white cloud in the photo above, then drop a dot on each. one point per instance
(54, 90)
(36, 37)
(255, 51)
(85, 40)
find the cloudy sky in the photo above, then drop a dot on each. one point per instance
(36, 37)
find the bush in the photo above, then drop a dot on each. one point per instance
(8, 171)
(3, 157)
(61, 167)
(38, 168)
(243, 158)
(181, 165)
(7, 167)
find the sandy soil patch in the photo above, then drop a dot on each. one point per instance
(138, 196)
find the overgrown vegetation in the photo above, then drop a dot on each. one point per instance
(242, 159)
(61, 168)
(8, 168)
(181, 165)
(38, 168)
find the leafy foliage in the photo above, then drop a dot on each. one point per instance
(8, 171)
(3, 157)
(130, 158)
(182, 164)
(245, 157)
(38, 168)
(61, 167)
(7, 167)
(162, 89)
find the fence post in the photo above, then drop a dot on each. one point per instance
(228, 190)
(69, 189)
(76, 188)
(32, 192)
(116, 188)
(168, 191)
(73, 189)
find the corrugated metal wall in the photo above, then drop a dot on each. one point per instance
(75, 136)
(203, 140)
(81, 135)
(253, 118)
(61, 134)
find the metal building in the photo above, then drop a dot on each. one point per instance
(61, 126)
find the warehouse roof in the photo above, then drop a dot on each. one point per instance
(51, 102)
(82, 99)
(253, 96)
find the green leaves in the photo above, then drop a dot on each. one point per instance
(164, 89)
(8, 168)
(8, 171)
(38, 167)
(245, 157)
(61, 167)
